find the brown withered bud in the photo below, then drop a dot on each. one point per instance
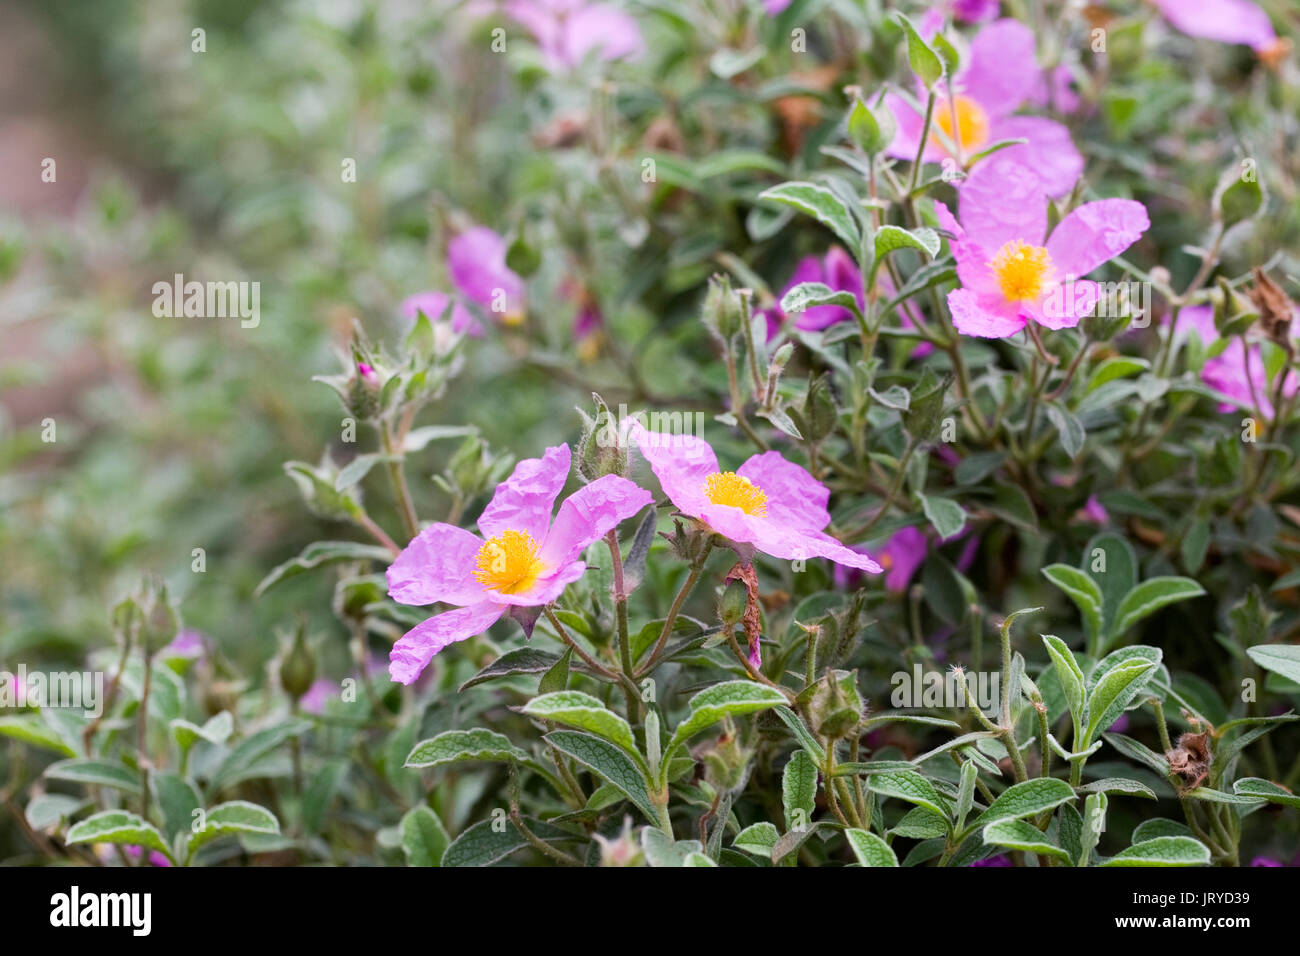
(663, 135)
(1275, 310)
(1190, 759)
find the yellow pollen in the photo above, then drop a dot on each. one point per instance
(972, 124)
(508, 562)
(729, 488)
(1022, 271)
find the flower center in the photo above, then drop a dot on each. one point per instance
(1022, 271)
(508, 562)
(972, 123)
(729, 488)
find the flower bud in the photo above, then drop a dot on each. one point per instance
(298, 665)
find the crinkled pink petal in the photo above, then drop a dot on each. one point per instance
(1002, 200)
(545, 590)
(412, 653)
(1095, 233)
(985, 316)
(795, 544)
(1049, 150)
(731, 522)
(972, 260)
(433, 304)
(438, 565)
(1065, 304)
(1002, 70)
(589, 514)
(1228, 21)
(476, 260)
(524, 501)
(794, 497)
(682, 463)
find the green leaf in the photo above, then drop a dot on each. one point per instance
(121, 827)
(177, 799)
(662, 851)
(1283, 659)
(1266, 790)
(758, 839)
(809, 294)
(799, 790)
(820, 203)
(241, 763)
(1019, 834)
(1238, 199)
(1067, 668)
(483, 845)
(1114, 368)
(922, 824)
(216, 730)
(1136, 750)
(732, 698)
(100, 773)
(48, 810)
(1119, 785)
(1163, 851)
(417, 439)
(236, 816)
(524, 660)
(947, 517)
(1068, 426)
(909, 786)
(573, 708)
(321, 791)
(924, 62)
(1114, 691)
(891, 238)
(1158, 827)
(1150, 596)
(965, 794)
(455, 746)
(319, 553)
(613, 764)
(1025, 799)
(870, 849)
(424, 839)
(31, 729)
(1083, 591)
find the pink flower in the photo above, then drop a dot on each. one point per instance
(773, 7)
(568, 30)
(902, 554)
(476, 259)
(318, 696)
(1228, 21)
(1093, 510)
(188, 643)
(155, 858)
(434, 303)
(1236, 372)
(837, 271)
(767, 502)
(974, 11)
(1008, 274)
(1000, 75)
(526, 561)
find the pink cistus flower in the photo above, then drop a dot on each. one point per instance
(433, 304)
(566, 31)
(767, 502)
(527, 559)
(1228, 21)
(1010, 271)
(1001, 74)
(837, 271)
(1237, 372)
(476, 260)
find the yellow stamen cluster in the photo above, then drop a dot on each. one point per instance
(729, 488)
(972, 124)
(508, 562)
(1022, 271)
